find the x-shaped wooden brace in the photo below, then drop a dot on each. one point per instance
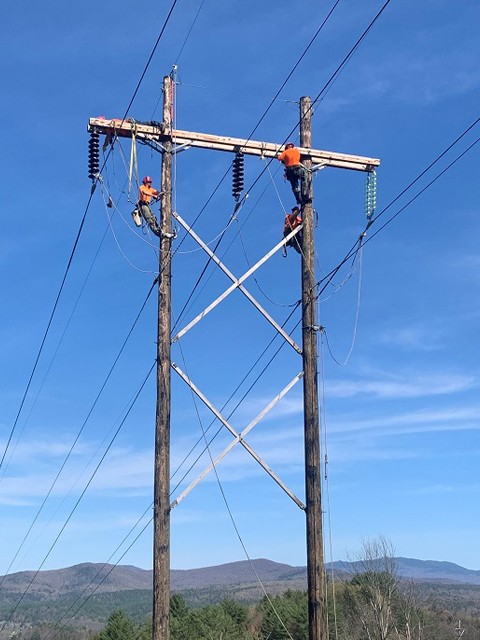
(239, 438)
(237, 284)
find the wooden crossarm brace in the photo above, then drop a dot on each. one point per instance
(236, 284)
(245, 292)
(224, 143)
(238, 438)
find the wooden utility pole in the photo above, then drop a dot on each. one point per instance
(162, 137)
(161, 513)
(317, 620)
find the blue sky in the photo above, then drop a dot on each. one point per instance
(402, 417)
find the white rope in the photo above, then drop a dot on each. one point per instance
(274, 185)
(210, 241)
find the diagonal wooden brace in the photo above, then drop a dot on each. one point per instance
(238, 438)
(236, 284)
(245, 291)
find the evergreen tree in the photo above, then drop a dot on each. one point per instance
(119, 627)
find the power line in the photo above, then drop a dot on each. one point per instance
(27, 388)
(350, 253)
(354, 250)
(77, 437)
(189, 32)
(150, 58)
(335, 75)
(424, 189)
(57, 349)
(312, 40)
(78, 238)
(99, 572)
(349, 55)
(132, 404)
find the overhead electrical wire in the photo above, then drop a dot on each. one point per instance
(349, 55)
(90, 595)
(84, 490)
(326, 483)
(356, 247)
(79, 232)
(173, 475)
(5, 467)
(294, 68)
(64, 279)
(334, 75)
(354, 250)
(225, 500)
(177, 59)
(350, 253)
(312, 40)
(77, 437)
(422, 189)
(357, 313)
(49, 323)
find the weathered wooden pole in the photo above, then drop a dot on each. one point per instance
(161, 514)
(317, 619)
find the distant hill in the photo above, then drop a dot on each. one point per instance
(73, 580)
(423, 571)
(87, 593)
(106, 578)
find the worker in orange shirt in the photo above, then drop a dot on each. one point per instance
(294, 169)
(292, 221)
(145, 195)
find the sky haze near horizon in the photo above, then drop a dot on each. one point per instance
(400, 421)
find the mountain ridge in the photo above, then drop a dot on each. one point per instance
(105, 578)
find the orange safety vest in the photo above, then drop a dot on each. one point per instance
(290, 157)
(145, 193)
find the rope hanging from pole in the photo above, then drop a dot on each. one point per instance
(133, 169)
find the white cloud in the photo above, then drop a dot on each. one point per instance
(424, 338)
(407, 386)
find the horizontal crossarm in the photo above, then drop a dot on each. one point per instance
(157, 132)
